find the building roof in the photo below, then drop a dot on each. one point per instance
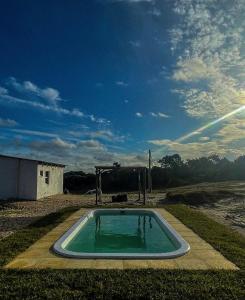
(41, 162)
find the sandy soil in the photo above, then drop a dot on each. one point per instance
(227, 205)
(230, 212)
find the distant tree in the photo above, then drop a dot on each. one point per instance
(173, 171)
(171, 161)
(240, 161)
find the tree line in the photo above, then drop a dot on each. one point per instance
(172, 171)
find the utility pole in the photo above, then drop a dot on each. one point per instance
(149, 174)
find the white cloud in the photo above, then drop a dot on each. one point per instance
(48, 94)
(62, 144)
(153, 114)
(139, 115)
(159, 115)
(90, 144)
(121, 83)
(196, 149)
(107, 135)
(162, 142)
(79, 154)
(7, 123)
(193, 69)
(204, 138)
(211, 59)
(162, 115)
(39, 105)
(47, 99)
(232, 132)
(55, 146)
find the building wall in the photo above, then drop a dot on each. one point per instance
(28, 180)
(8, 178)
(17, 178)
(55, 185)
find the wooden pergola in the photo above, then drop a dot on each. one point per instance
(100, 169)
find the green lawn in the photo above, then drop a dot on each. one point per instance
(130, 284)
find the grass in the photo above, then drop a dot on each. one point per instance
(227, 241)
(22, 239)
(130, 284)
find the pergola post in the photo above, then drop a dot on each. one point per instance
(139, 183)
(96, 177)
(149, 174)
(100, 188)
(144, 186)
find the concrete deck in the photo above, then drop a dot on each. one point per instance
(202, 255)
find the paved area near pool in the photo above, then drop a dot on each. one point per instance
(202, 255)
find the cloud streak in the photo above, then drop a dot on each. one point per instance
(29, 90)
(158, 115)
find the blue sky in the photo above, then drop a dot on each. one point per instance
(97, 81)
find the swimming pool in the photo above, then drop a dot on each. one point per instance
(121, 233)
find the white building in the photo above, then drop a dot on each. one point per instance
(22, 178)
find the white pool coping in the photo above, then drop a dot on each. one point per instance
(61, 243)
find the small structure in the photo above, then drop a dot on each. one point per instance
(22, 178)
(100, 169)
(120, 198)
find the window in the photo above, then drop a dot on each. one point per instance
(41, 173)
(47, 176)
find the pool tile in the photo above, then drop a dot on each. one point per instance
(36, 253)
(108, 264)
(22, 263)
(214, 263)
(66, 263)
(162, 264)
(192, 264)
(135, 264)
(200, 246)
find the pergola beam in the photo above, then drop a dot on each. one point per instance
(117, 168)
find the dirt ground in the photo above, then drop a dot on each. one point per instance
(222, 201)
(228, 208)
(18, 214)
(230, 212)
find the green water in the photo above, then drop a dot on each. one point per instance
(121, 233)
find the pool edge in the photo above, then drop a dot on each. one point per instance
(58, 249)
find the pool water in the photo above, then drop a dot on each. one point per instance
(122, 233)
